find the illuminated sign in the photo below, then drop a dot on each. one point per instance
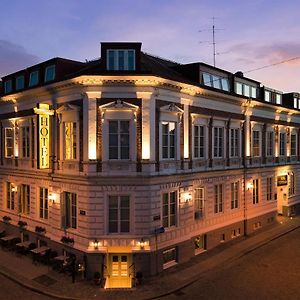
(282, 180)
(43, 135)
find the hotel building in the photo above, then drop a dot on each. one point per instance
(136, 163)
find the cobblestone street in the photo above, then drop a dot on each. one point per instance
(270, 272)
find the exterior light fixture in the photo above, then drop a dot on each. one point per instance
(52, 197)
(14, 188)
(249, 185)
(141, 244)
(96, 244)
(187, 197)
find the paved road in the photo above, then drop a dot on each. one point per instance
(270, 272)
(9, 290)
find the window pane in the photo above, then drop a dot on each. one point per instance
(131, 60)
(225, 84)
(50, 73)
(206, 79)
(34, 78)
(239, 88)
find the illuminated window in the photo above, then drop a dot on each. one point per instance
(24, 199)
(119, 139)
(293, 144)
(9, 142)
(119, 60)
(245, 90)
(34, 78)
(282, 144)
(43, 203)
(239, 88)
(291, 183)
(267, 96)
(255, 192)
(50, 73)
(20, 83)
(168, 140)
(199, 137)
(269, 188)
(218, 142)
(10, 196)
(269, 143)
(69, 210)
(169, 257)
(278, 98)
(200, 243)
(234, 142)
(70, 140)
(218, 191)
(7, 86)
(118, 214)
(235, 186)
(199, 203)
(256, 143)
(169, 209)
(25, 138)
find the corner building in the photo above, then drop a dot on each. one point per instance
(135, 163)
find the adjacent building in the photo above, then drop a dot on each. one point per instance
(136, 163)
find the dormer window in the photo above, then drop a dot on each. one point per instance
(20, 83)
(278, 98)
(215, 81)
(33, 78)
(267, 96)
(245, 90)
(7, 86)
(121, 60)
(50, 73)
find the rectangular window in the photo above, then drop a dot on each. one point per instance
(118, 214)
(253, 92)
(7, 86)
(24, 199)
(293, 145)
(199, 141)
(50, 73)
(169, 209)
(282, 144)
(70, 210)
(44, 203)
(269, 188)
(234, 142)
(20, 83)
(216, 82)
(225, 84)
(169, 257)
(9, 142)
(255, 191)
(70, 140)
(256, 143)
(25, 135)
(246, 90)
(278, 98)
(235, 194)
(291, 184)
(207, 79)
(34, 78)
(295, 103)
(199, 203)
(119, 138)
(269, 143)
(218, 142)
(239, 88)
(267, 96)
(168, 140)
(218, 191)
(119, 59)
(10, 196)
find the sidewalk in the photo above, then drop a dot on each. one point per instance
(44, 280)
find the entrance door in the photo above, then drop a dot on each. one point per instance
(119, 271)
(281, 199)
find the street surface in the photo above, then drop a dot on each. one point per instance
(270, 272)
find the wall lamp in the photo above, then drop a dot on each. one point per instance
(249, 185)
(96, 244)
(52, 197)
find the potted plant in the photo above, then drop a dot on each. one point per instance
(22, 224)
(139, 277)
(97, 278)
(67, 240)
(40, 230)
(6, 219)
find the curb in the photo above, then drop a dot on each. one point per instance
(243, 253)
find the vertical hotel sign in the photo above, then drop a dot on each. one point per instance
(44, 114)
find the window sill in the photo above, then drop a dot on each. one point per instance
(169, 264)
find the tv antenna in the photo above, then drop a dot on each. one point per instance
(213, 42)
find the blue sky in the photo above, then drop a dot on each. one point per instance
(255, 33)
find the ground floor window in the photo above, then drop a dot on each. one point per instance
(169, 257)
(200, 243)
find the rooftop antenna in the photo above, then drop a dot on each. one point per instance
(213, 30)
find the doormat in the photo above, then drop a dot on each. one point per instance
(45, 280)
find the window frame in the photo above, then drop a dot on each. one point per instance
(219, 146)
(282, 144)
(25, 141)
(234, 142)
(46, 79)
(10, 196)
(199, 202)
(115, 66)
(8, 87)
(218, 198)
(30, 83)
(20, 82)
(255, 191)
(199, 141)
(43, 203)
(72, 153)
(294, 152)
(168, 146)
(71, 217)
(169, 219)
(235, 194)
(269, 143)
(269, 184)
(6, 137)
(24, 199)
(256, 143)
